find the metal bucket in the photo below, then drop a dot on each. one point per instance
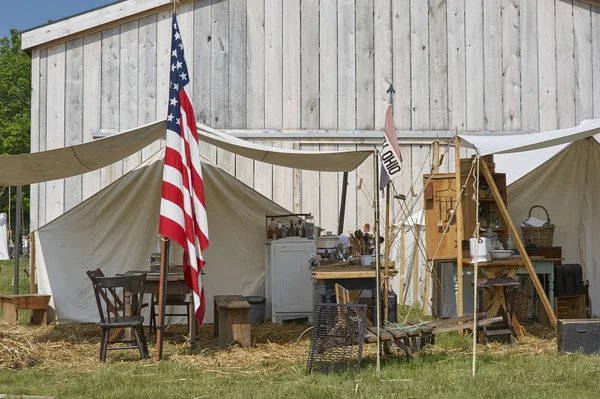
(257, 309)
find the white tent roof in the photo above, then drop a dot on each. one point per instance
(504, 144)
(82, 158)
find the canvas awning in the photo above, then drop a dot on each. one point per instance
(512, 143)
(70, 161)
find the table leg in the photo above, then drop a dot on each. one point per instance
(551, 289)
(127, 312)
(192, 323)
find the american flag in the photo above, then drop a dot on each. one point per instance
(182, 207)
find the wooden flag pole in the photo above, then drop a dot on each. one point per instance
(513, 231)
(459, 226)
(386, 254)
(162, 297)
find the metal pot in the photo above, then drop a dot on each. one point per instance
(327, 244)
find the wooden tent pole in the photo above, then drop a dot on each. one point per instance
(518, 242)
(435, 168)
(32, 289)
(386, 254)
(402, 260)
(459, 226)
(416, 234)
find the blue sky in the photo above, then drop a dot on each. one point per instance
(26, 14)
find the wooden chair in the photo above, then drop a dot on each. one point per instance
(171, 300)
(127, 291)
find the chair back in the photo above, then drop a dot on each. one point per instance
(113, 302)
(120, 287)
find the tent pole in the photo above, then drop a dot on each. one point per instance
(32, 289)
(415, 271)
(343, 204)
(513, 230)
(402, 260)
(459, 226)
(377, 257)
(162, 296)
(16, 241)
(386, 255)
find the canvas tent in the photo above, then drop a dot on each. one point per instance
(115, 229)
(559, 170)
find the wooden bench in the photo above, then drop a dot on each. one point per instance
(232, 320)
(37, 303)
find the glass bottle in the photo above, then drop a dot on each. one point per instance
(273, 229)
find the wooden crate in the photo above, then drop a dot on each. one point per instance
(570, 307)
(579, 335)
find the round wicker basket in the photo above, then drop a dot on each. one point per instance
(540, 237)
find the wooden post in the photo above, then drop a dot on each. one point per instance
(386, 254)
(162, 298)
(428, 266)
(513, 231)
(416, 233)
(32, 289)
(435, 168)
(459, 227)
(402, 260)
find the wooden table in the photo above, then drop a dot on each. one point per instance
(351, 277)
(512, 267)
(175, 285)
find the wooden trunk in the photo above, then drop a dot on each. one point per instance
(579, 336)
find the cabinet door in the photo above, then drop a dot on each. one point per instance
(292, 279)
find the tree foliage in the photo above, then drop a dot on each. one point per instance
(15, 108)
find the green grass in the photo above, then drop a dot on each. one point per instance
(7, 269)
(444, 371)
(436, 375)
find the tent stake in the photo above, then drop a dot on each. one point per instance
(162, 298)
(513, 230)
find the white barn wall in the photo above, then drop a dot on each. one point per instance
(469, 65)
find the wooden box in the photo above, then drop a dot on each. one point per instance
(570, 307)
(579, 336)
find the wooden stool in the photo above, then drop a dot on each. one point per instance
(232, 320)
(502, 290)
(37, 303)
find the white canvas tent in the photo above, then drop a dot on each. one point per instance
(559, 170)
(115, 229)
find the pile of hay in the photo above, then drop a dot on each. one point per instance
(274, 347)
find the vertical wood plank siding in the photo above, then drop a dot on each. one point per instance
(469, 65)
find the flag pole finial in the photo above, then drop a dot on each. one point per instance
(175, 3)
(391, 92)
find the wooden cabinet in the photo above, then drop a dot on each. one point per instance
(288, 279)
(440, 197)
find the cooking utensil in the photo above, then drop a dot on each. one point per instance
(450, 211)
(440, 223)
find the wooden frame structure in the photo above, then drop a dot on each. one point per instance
(511, 228)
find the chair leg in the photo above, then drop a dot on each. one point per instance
(152, 324)
(138, 340)
(104, 345)
(144, 342)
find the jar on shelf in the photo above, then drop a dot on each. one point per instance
(273, 229)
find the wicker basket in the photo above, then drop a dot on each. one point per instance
(540, 237)
(521, 303)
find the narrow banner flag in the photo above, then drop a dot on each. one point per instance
(391, 159)
(182, 208)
